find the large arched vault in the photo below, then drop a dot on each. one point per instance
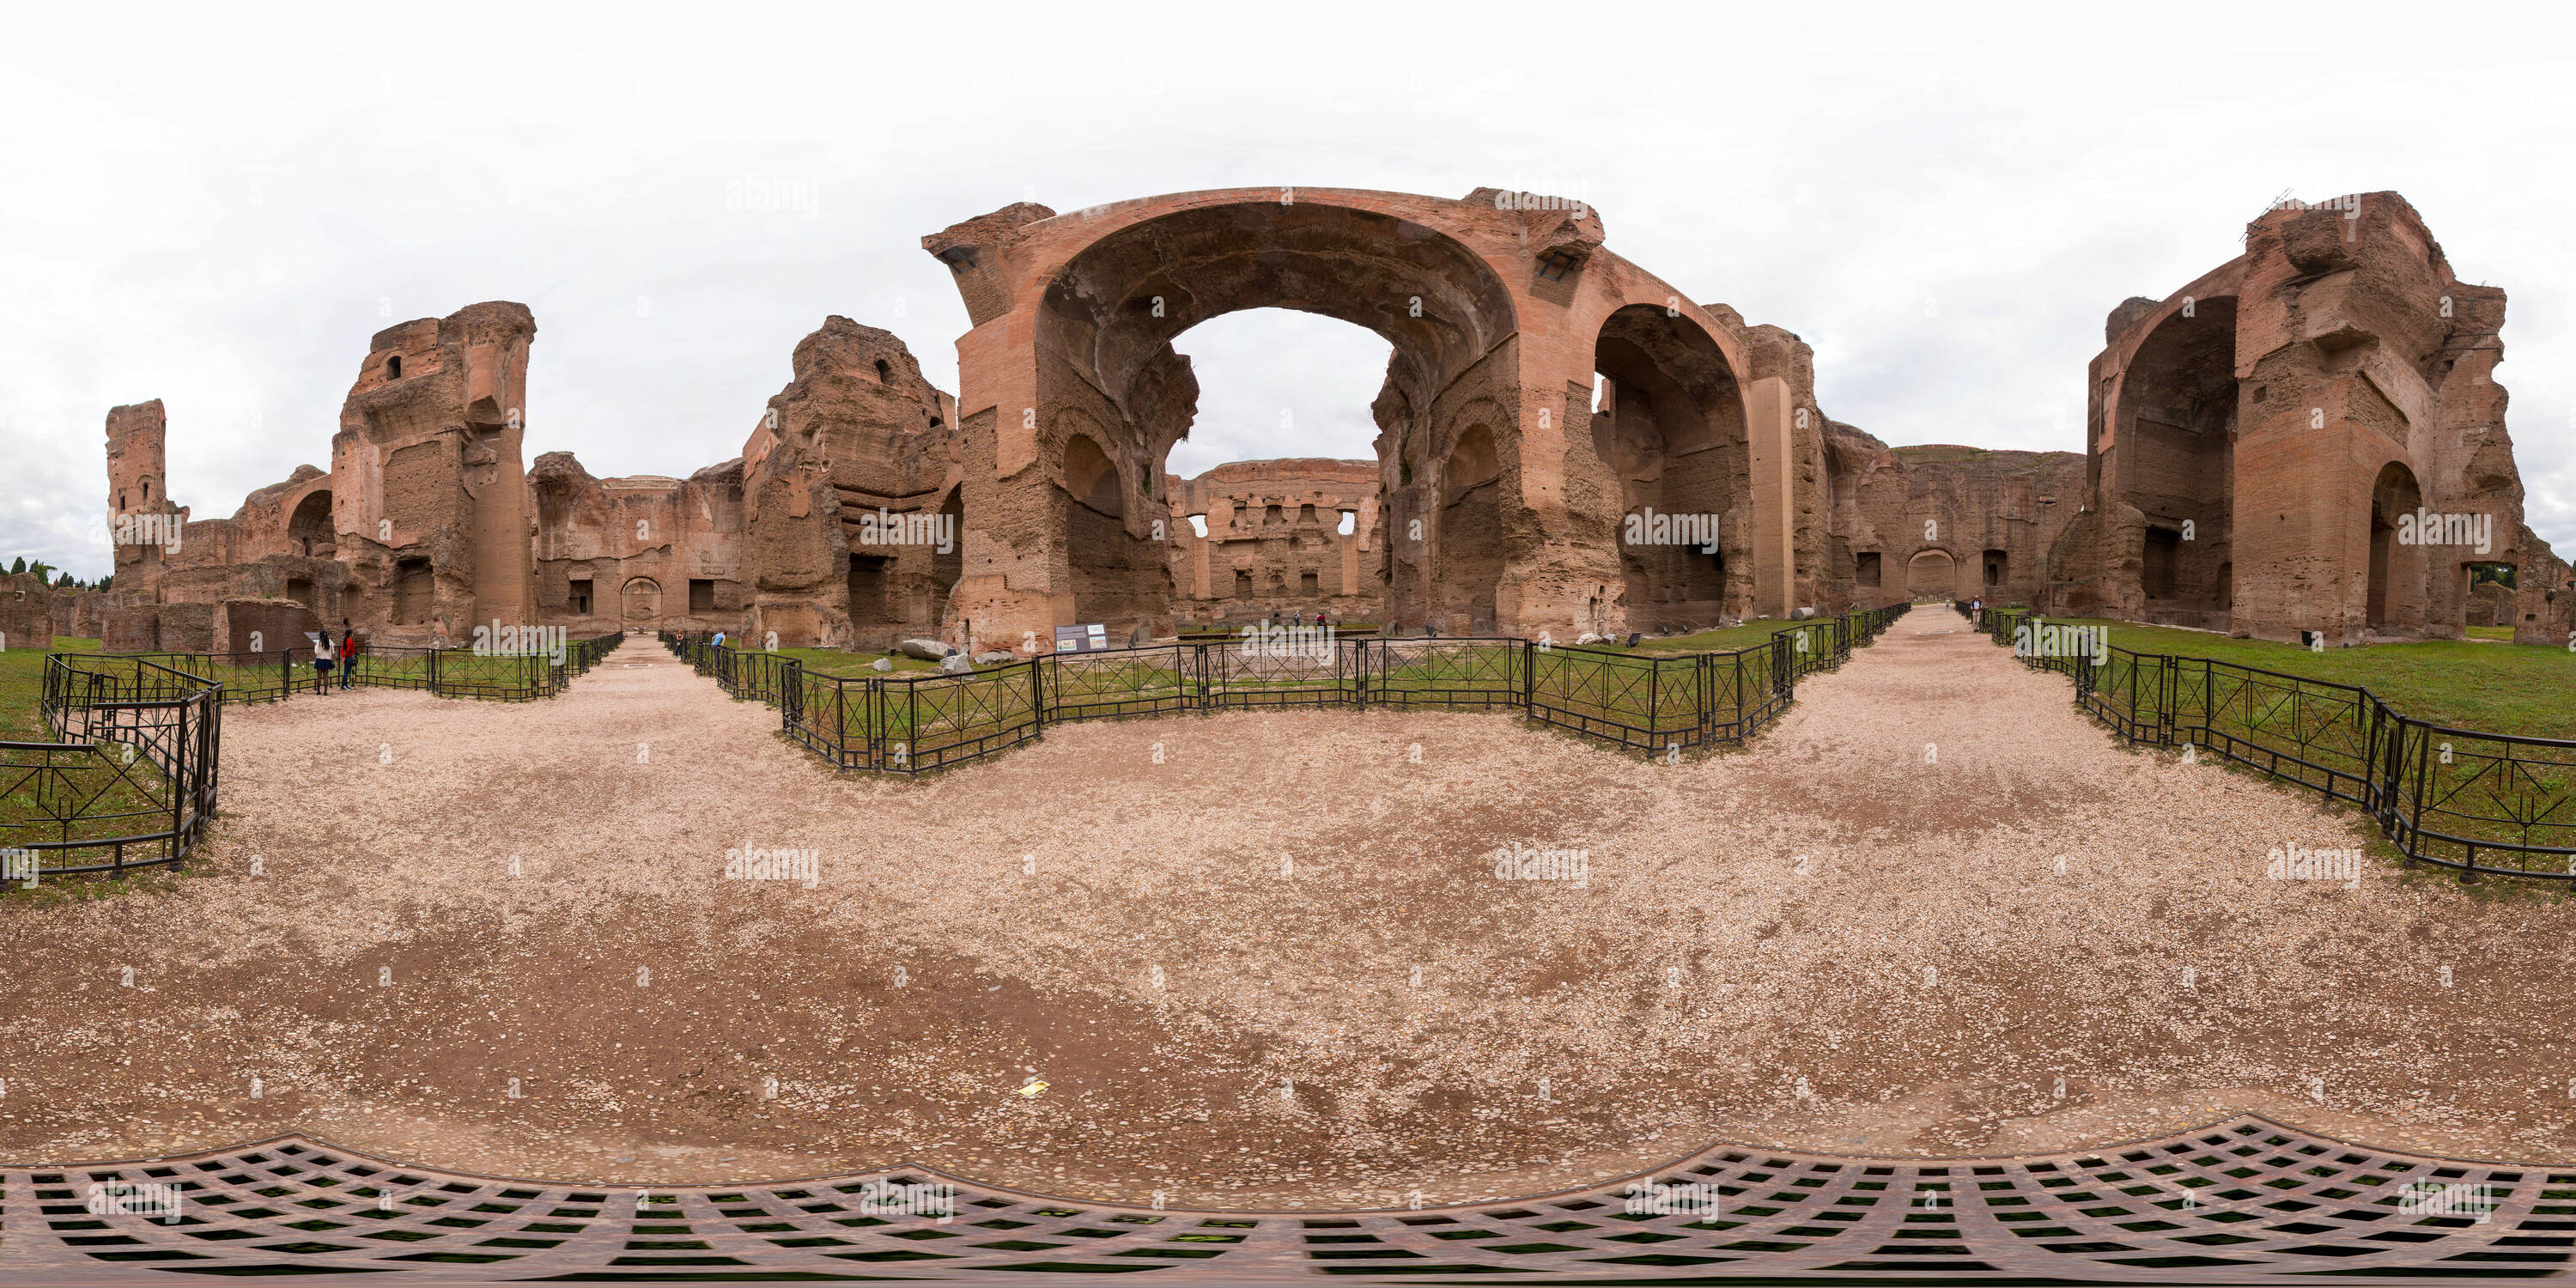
(1494, 305)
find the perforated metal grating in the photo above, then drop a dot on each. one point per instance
(2242, 1200)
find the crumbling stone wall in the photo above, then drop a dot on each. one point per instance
(2261, 443)
(1959, 522)
(645, 551)
(429, 501)
(851, 505)
(2255, 445)
(1274, 545)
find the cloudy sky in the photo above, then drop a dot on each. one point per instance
(218, 212)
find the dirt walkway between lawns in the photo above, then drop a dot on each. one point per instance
(1203, 934)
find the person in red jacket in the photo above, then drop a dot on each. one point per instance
(348, 652)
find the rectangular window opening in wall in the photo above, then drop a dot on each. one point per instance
(702, 595)
(1867, 570)
(580, 599)
(1306, 514)
(1998, 567)
(1309, 583)
(1242, 581)
(1270, 514)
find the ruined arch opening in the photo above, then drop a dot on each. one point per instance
(1932, 574)
(1668, 423)
(641, 598)
(2395, 600)
(1107, 362)
(308, 530)
(2174, 435)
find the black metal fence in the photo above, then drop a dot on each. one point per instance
(502, 676)
(1647, 703)
(130, 784)
(2461, 799)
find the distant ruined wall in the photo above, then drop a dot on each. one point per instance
(1274, 546)
(645, 551)
(1945, 521)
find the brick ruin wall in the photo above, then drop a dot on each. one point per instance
(2250, 441)
(1274, 546)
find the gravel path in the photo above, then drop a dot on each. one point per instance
(1265, 960)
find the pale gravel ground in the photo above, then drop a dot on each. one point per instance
(1928, 974)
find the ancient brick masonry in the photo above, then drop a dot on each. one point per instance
(2265, 445)
(1566, 443)
(1943, 521)
(427, 525)
(1275, 546)
(852, 509)
(1503, 490)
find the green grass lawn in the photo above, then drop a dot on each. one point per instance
(2495, 688)
(1722, 640)
(833, 661)
(22, 689)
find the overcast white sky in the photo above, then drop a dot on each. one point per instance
(217, 210)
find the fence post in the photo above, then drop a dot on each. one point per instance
(1037, 696)
(841, 723)
(2165, 706)
(1529, 684)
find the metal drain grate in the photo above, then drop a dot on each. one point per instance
(2244, 1199)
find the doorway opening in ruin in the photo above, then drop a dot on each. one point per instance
(308, 530)
(1932, 574)
(2174, 433)
(2487, 594)
(1668, 423)
(947, 567)
(2160, 563)
(702, 595)
(580, 598)
(1998, 571)
(1865, 567)
(870, 587)
(1470, 534)
(300, 590)
(1117, 579)
(415, 592)
(2397, 568)
(642, 598)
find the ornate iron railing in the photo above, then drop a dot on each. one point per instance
(1653, 704)
(2470, 801)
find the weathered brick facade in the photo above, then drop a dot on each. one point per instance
(1566, 444)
